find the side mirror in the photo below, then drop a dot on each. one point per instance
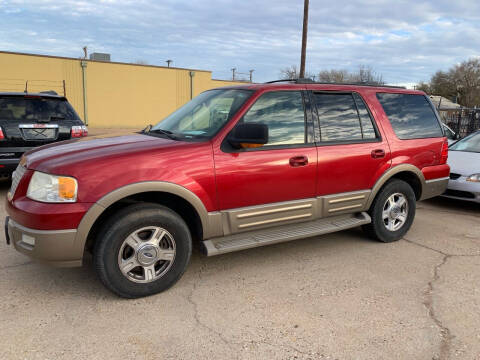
(249, 135)
(457, 136)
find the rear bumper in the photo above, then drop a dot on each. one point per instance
(10, 157)
(436, 180)
(434, 187)
(55, 247)
(7, 166)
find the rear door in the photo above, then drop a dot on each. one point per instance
(352, 153)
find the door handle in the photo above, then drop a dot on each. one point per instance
(378, 153)
(297, 161)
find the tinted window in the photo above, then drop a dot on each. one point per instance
(282, 112)
(411, 116)
(365, 119)
(340, 120)
(32, 109)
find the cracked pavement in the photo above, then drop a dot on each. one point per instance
(339, 296)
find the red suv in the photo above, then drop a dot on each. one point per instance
(235, 168)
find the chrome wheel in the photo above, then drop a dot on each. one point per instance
(146, 254)
(395, 212)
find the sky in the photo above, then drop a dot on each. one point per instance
(404, 41)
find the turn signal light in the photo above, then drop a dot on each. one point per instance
(67, 187)
(444, 157)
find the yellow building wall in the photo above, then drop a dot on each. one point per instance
(119, 95)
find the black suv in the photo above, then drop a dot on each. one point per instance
(28, 120)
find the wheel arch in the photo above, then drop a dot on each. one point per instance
(406, 172)
(201, 223)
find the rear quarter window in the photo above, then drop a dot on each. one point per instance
(411, 116)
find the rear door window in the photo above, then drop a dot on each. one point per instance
(33, 109)
(344, 118)
(411, 116)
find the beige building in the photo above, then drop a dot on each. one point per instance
(107, 94)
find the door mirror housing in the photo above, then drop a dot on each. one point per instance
(248, 135)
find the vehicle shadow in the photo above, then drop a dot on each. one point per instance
(82, 282)
(447, 204)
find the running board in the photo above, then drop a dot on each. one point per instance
(278, 234)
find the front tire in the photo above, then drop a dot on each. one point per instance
(142, 250)
(392, 212)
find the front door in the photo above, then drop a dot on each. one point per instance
(282, 170)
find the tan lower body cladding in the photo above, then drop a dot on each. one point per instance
(264, 216)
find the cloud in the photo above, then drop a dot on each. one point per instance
(403, 40)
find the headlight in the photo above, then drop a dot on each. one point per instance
(51, 188)
(474, 178)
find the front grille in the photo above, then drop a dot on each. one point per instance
(460, 194)
(16, 177)
(454, 176)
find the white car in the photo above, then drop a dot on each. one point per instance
(464, 161)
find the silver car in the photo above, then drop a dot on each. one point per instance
(464, 161)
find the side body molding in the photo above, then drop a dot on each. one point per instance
(211, 222)
(389, 174)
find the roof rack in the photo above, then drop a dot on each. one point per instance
(310, 81)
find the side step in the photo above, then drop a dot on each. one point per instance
(251, 239)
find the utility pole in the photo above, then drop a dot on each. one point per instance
(304, 39)
(233, 73)
(251, 74)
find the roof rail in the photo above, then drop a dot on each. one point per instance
(282, 80)
(310, 81)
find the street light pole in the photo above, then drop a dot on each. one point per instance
(304, 39)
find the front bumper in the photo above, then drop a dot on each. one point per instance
(462, 189)
(56, 247)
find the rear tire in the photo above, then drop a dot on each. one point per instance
(392, 212)
(142, 250)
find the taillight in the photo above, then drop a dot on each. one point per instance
(1, 134)
(444, 157)
(79, 131)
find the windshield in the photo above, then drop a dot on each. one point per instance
(35, 108)
(205, 115)
(470, 144)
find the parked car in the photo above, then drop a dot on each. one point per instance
(235, 168)
(464, 161)
(28, 120)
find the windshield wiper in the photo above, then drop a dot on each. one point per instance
(167, 133)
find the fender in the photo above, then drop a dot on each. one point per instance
(387, 175)
(211, 222)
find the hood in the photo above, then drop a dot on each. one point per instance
(88, 150)
(464, 163)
